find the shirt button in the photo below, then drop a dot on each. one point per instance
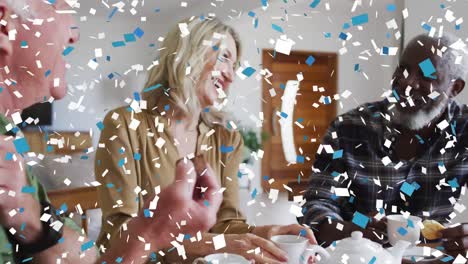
(406, 204)
(391, 151)
(393, 138)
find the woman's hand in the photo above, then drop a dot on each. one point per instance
(246, 245)
(273, 230)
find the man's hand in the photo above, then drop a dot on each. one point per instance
(12, 180)
(455, 240)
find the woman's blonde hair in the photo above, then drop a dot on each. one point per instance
(168, 81)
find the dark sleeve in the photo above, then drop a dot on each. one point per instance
(328, 173)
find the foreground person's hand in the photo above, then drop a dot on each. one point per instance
(178, 209)
(12, 198)
(183, 201)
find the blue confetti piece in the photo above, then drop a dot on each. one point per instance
(426, 27)
(327, 35)
(52, 2)
(454, 183)
(300, 120)
(147, 213)
(327, 100)
(402, 231)
(282, 86)
(335, 174)
(139, 32)
(207, 203)
(154, 87)
(356, 67)
(427, 68)
(137, 156)
(21, 145)
(283, 115)
(68, 50)
(130, 37)
(256, 23)
(47, 73)
(24, 44)
(359, 20)
(248, 71)
(343, 36)
(300, 159)
(373, 260)
(416, 186)
(136, 95)
(117, 44)
(28, 189)
(395, 94)
(226, 149)
(9, 156)
(112, 14)
(410, 223)
(447, 259)
(346, 26)
(360, 220)
(277, 28)
(251, 14)
(314, 4)
(254, 193)
(385, 50)
(391, 7)
(87, 245)
(264, 3)
(407, 189)
(338, 154)
(167, 107)
(121, 162)
(310, 60)
(100, 125)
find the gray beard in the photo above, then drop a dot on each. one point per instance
(419, 119)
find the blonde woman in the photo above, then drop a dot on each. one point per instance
(196, 65)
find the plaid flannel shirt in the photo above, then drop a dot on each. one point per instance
(357, 156)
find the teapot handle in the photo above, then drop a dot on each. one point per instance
(312, 250)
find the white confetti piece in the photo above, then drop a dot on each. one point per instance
(284, 45)
(443, 124)
(134, 124)
(160, 142)
(219, 241)
(386, 160)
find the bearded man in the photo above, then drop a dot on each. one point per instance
(404, 155)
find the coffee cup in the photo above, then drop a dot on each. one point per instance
(401, 228)
(220, 258)
(296, 247)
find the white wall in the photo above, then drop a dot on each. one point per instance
(247, 94)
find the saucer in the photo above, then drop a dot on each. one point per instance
(417, 254)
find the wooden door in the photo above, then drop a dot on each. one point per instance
(314, 120)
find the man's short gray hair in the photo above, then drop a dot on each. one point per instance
(455, 69)
(17, 6)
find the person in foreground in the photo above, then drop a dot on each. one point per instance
(31, 231)
(24, 237)
(179, 115)
(406, 154)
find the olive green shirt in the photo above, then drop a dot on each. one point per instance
(6, 248)
(144, 157)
